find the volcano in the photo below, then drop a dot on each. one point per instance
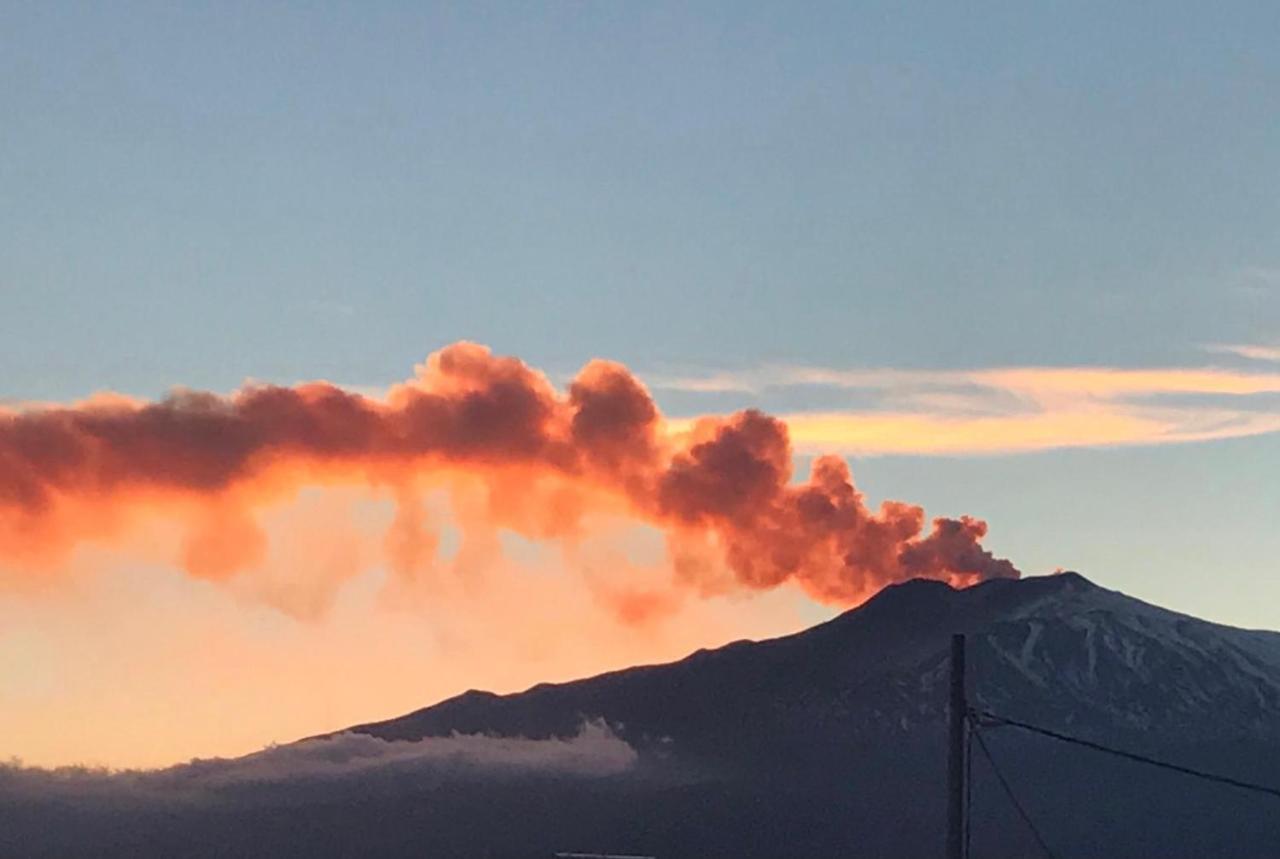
(829, 742)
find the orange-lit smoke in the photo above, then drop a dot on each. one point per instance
(721, 492)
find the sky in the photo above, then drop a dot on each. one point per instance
(1015, 261)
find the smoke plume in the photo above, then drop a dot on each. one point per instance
(721, 492)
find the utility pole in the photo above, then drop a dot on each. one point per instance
(958, 714)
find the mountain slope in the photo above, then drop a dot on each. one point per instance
(1056, 648)
(858, 705)
(829, 742)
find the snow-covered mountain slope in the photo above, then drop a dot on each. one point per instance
(838, 731)
(1057, 649)
(1083, 655)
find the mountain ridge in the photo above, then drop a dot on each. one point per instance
(907, 626)
(826, 742)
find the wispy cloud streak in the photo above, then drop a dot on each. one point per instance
(1014, 409)
(1253, 352)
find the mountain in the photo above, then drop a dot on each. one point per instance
(1054, 649)
(830, 742)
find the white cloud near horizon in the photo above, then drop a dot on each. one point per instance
(1251, 351)
(595, 751)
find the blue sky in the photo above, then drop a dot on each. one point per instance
(196, 194)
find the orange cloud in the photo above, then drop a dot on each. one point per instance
(542, 463)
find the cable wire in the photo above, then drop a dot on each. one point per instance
(992, 718)
(1008, 790)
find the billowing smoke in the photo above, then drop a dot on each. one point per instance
(722, 491)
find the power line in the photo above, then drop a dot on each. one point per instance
(1133, 756)
(1022, 812)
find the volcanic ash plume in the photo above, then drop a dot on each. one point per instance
(721, 492)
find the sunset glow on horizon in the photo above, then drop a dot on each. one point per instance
(352, 357)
